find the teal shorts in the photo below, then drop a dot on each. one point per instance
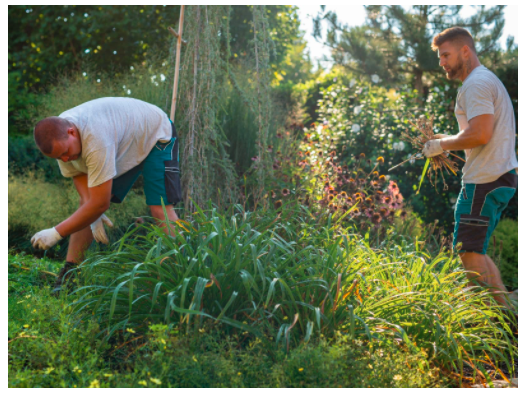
(478, 211)
(161, 173)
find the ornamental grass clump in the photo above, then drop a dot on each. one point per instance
(245, 272)
(284, 278)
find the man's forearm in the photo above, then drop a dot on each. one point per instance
(85, 215)
(467, 139)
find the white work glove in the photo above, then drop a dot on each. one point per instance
(97, 228)
(46, 238)
(432, 148)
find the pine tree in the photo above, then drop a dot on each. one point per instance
(395, 41)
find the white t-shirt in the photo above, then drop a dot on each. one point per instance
(483, 93)
(117, 133)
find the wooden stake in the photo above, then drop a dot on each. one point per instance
(177, 62)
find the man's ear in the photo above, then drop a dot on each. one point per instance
(71, 131)
(466, 50)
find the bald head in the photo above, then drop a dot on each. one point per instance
(49, 130)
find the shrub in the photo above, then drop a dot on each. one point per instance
(211, 360)
(24, 157)
(359, 117)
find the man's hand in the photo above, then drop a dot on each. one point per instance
(93, 203)
(433, 147)
(97, 228)
(46, 238)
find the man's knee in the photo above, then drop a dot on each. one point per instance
(158, 212)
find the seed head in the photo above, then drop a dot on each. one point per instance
(376, 218)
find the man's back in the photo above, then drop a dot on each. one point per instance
(117, 133)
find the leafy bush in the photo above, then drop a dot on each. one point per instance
(504, 249)
(210, 360)
(359, 117)
(24, 157)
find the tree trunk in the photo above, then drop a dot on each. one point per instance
(419, 85)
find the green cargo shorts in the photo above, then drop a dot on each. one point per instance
(478, 211)
(161, 173)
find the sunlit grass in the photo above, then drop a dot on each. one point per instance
(290, 280)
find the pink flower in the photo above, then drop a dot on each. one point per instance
(393, 187)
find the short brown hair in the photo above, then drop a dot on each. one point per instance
(49, 130)
(457, 35)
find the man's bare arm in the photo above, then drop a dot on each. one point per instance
(81, 184)
(478, 133)
(98, 201)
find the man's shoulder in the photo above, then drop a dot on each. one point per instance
(482, 77)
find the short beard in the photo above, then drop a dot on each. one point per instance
(457, 71)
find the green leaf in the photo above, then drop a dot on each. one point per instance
(423, 175)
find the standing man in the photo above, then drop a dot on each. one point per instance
(104, 145)
(487, 133)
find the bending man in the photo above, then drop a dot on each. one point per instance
(104, 145)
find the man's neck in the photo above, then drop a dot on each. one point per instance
(469, 66)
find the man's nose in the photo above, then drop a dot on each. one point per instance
(442, 62)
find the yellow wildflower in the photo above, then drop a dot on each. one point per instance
(300, 370)
(143, 382)
(155, 381)
(130, 330)
(94, 384)
(397, 377)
